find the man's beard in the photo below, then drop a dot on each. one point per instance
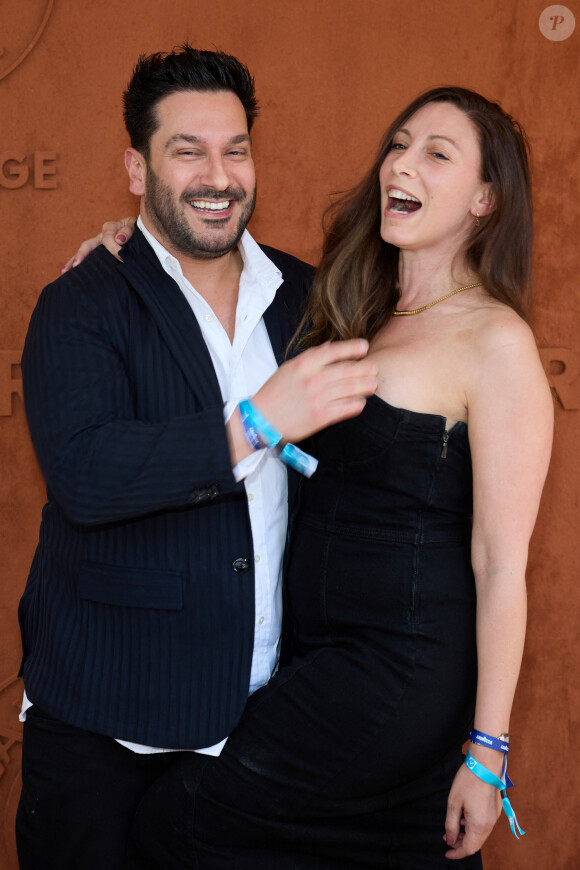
(173, 227)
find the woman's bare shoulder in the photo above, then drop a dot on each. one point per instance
(499, 327)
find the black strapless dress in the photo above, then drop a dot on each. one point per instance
(345, 759)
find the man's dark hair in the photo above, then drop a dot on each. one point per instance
(185, 69)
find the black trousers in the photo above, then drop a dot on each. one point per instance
(79, 794)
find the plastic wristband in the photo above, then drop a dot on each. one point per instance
(259, 431)
(299, 460)
(487, 740)
(268, 433)
(251, 433)
(487, 776)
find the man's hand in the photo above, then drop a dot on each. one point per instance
(113, 235)
(321, 386)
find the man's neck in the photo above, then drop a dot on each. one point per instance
(216, 280)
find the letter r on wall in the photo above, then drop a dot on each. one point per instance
(562, 367)
(10, 380)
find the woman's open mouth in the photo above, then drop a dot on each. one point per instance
(401, 202)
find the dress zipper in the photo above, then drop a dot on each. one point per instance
(444, 448)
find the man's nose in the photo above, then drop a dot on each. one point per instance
(215, 173)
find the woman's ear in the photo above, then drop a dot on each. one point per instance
(485, 202)
(137, 171)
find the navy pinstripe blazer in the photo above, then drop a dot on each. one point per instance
(137, 618)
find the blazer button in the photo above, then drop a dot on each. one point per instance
(241, 564)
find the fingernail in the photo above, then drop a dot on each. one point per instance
(74, 263)
(121, 238)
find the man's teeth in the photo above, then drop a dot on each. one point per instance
(209, 205)
(398, 194)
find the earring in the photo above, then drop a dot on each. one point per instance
(477, 221)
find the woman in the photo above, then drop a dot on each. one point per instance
(408, 619)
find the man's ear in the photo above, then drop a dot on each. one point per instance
(137, 170)
(485, 203)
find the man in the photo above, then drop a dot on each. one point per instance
(153, 602)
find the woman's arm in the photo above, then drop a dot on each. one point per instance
(113, 236)
(510, 430)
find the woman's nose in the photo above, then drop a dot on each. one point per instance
(404, 164)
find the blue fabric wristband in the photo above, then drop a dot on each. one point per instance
(487, 740)
(487, 776)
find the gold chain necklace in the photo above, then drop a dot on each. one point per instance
(435, 302)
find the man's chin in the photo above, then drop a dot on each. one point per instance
(200, 254)
(210, 251)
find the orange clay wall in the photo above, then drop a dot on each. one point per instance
(330, 75)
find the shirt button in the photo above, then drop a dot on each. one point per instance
(250, 496)
(261, 620)
(208, 317)
(256, 558)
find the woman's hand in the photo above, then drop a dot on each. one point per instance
(473, 808)
(113, 236)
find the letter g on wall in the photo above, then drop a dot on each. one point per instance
(21, 26)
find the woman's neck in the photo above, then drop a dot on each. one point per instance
(423, 278)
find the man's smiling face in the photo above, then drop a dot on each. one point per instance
(199, 182)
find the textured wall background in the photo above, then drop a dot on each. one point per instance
(330, 75)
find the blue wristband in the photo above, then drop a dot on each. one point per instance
(487, 776)
(487, 740)
(260, 433)
(252, 434)
(268, 433)
(299, 460)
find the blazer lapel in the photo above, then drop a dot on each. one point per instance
(181, 331)
(174, 317)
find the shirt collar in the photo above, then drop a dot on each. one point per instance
(257, 266)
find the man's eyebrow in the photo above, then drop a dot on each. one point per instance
(190, 139)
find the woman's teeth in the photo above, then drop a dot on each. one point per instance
(402, 203)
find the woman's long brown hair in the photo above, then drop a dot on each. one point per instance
(355, 286)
